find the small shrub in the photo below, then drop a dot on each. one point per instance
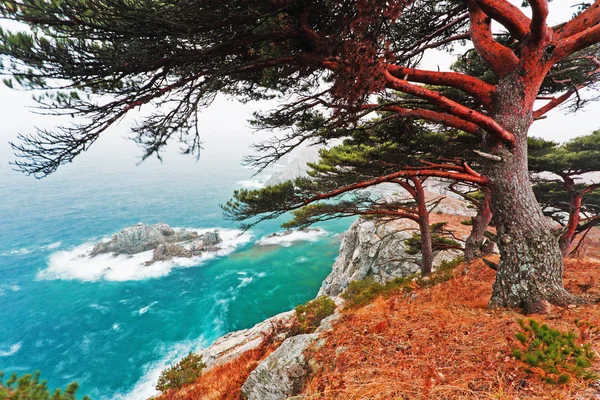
(183, 373)
(363, 292)
(552, 355)
(29, 387)
(310, 315)
(467, 222)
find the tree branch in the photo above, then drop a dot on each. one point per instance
(589, 17)
(428, 115)
(509, 15)
(540, 33)
(450, 106)
(477, 88)
(499, 58)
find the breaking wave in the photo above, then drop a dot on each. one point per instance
(288, 238)
(77, 264)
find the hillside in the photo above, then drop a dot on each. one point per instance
(434, 341)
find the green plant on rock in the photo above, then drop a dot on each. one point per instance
(310, 315)
(29, 387)
(184, 372)
(440, 240)
(552, 355)
(364, 291)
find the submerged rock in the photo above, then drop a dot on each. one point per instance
(142, 237)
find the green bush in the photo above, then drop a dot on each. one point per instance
(310, 315)
(363, 292)
(184, 372)
(29, 387)
(551, 354)
(440, 240)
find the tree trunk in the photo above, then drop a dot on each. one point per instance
(481, 221)
(426, 240)
(530, 272)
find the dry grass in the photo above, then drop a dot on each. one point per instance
(445, 344)
(225, 381)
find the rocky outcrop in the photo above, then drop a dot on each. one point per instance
(166, 242)
(371, 249)
(284, 372)
(234, 344)
(142, 237)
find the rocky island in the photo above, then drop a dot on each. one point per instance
(166, 242)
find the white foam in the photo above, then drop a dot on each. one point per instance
(144, 387)
(52, 246)
(144, 310)
(76, 264)
(253, 183)
(12, 288)
(115, 327)
(287, 239)
(245, 281)
(11, 350)
(17, 252)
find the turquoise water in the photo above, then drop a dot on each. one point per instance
(114, 336)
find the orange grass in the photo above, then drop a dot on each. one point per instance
(446, 344)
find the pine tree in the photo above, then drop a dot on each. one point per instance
(558, 167)
(110, 57)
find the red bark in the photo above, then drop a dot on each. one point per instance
(480, 90)
(485, 122)
(499, 58)
(509, 15)
(432, 116)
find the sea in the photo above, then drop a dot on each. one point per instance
(111, 323)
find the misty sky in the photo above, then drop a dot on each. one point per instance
(225, 131)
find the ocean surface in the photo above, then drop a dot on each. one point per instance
(114, 332)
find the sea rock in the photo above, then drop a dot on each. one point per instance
(234, 344)
(166, 251)
(371, 248)
(142, 237)
(206, 242)
(283, 373)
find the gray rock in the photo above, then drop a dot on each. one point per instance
(206, 242)
(166, 251)
(445, 256)
(283, 373)
(234, 344)
(141, 237)
(370, 248)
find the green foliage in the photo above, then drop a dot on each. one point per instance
(363, 292)
(310, 315)
(552, 355)
(440, 240)
(29, 387)
(183, 373)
